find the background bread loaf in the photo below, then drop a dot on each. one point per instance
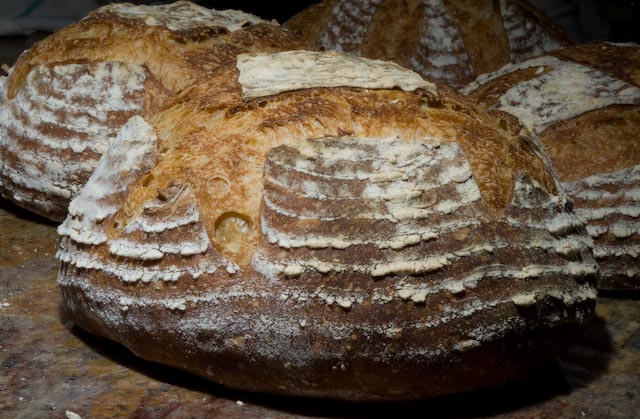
(67, 96)
(451, 41)
(584, 103)
(363, 235)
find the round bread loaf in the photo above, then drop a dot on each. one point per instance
(330, 226)
(68, 95)
(451, 41)
(584, 103)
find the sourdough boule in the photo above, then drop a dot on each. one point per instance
(451, 41)
(584, 103)
(67, 96)
(328, 226)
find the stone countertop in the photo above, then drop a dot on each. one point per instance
(49, 367)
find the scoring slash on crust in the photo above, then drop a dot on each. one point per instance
(449, 41)
(584, 102)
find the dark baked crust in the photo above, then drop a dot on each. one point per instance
(344, 242)
(619, 60)
(594, 148)
(469, 37)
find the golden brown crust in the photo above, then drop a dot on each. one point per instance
(177, 59)
(450, 41)
(618, 60)
(390, 38)
(604, 140)
(120, 59)
(480, 21)
(576, 144)
(489, 94)
(343, 242)
(252, 127)
(584, 102)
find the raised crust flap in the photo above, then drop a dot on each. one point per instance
(270, 74)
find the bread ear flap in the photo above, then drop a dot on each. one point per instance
(132, 154)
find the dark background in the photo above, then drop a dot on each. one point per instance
(280, 10)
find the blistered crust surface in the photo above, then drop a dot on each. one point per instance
(178, 42)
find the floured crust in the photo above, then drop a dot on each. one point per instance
(340, 242)
(584, 102)
(53, 132)
(122, 60)
(172, 51)
(450, 41)
(268, 74)
(617, 59)
(184, 16)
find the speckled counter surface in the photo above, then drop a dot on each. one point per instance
(49, 367)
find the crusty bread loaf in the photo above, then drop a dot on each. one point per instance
(66, 97)
(584, 103)
(451, 41)
(331, 226)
